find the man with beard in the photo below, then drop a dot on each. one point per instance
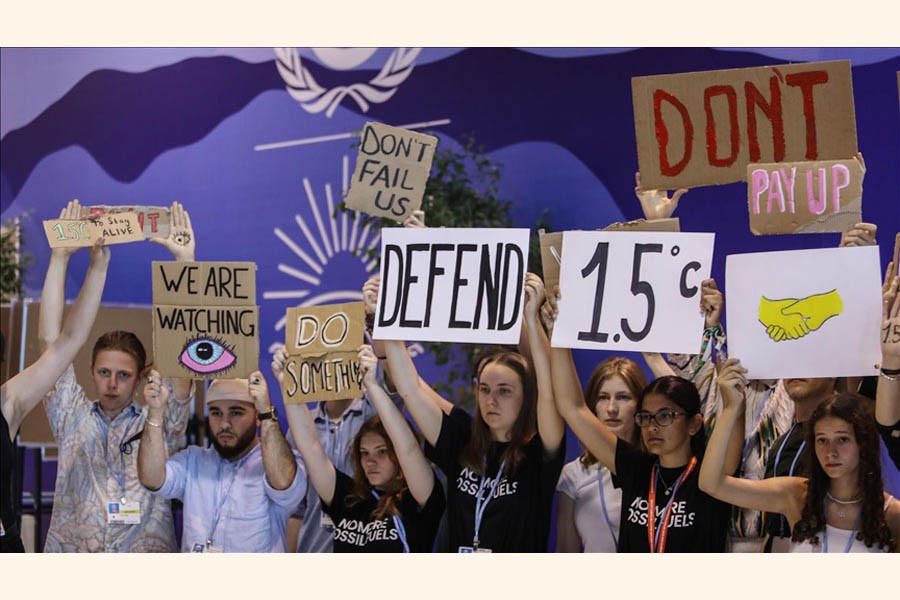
(239, 494)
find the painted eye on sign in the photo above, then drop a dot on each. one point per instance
(632, 291)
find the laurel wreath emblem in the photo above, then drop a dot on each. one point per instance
(314, 98)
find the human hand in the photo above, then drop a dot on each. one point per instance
(416, 219)
(711, 302)
(71, 212)
(100, 253)
(279, 359)
(534, 295)
(656, 204)
(368, 365)
(370, 294)
(259, 391)
(861, 234)
(550, 309)
(890, 326)
(181, 241)
(732, 381)
(156, 394)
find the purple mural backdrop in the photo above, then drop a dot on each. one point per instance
(257, 143)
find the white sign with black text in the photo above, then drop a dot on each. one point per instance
(452, 285)
(631, 291)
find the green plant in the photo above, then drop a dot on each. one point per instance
(14, 260)
(463, 190)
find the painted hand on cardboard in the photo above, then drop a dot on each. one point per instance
(181, 241)
(656, 204)
(792, 318)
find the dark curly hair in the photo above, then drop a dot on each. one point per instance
(873, 529)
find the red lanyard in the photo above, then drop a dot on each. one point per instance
(660, 546)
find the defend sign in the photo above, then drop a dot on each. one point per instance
(205, 319)
(632, 291)
(452, 285)
(322, 359)
(704, 128)
(804, 197)
(391, 171)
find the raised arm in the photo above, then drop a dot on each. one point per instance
(278, 460)
(781, 495)
(595, 436)
(22, 392)
(656, 204)
(416, 468)
(887, 397)
(182, 243)
(152, 452)
(319, 468)
(549, 422)
(425, 412)
(53, 296)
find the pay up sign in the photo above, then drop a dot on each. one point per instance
(451, 285)
(205, 319)
(703, 128)
(632, 291)
(322, 359)
(391, 171)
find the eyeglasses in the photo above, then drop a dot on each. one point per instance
(663, 418)
(125, 447)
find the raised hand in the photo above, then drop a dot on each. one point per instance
(279, 359)
(100, 253)
(534, 295)
(550, 309)
(368, 365)
(711, 302)
(259, 391)
(71, 212)
(890, 323)
(181, 241)
(732, 381)
(416, 219)
(155, 393)
(370, 294)
(656, 204)
(861, 234)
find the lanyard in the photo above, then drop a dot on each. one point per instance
(796, 456)
(220, 502)
(333, 442)
(398, 524)
(120, 476)
(481, 502)
(657, 538)
(754, 435)
(852, 533)
(612, 531)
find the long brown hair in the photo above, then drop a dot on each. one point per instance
(873, 529)
(123, 341)
(389, 500)
(631, 374)
(474, 455)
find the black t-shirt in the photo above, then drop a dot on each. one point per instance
(787, 457)
(697, 522)
(10, 492)
(891, 436)
(517, 517)
(355, 530)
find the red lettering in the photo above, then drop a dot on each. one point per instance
(806, 81)
(772, 110)
(153, 217)
(711, 143)
(662, 133)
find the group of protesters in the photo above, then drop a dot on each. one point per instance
(696, 458)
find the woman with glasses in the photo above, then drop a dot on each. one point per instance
(663, 509)
(841, 506)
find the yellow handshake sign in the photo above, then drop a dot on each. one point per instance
(793, 318)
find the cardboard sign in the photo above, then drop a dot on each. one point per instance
(452, 285)
(115, 229)
(205, 319)
(551, 257)
(153, 220)
(804, 197)
(632, 291)
(805, 313)
(392, 169)
(672, 224)
(704, 128)
(322, 359)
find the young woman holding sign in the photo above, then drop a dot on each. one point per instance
(662, 508)
(502, 463)
(99, 503)
(393, 502)
(841, 507)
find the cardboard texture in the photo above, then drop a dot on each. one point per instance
(804, 197)
(205, 319)
(322, 360)
(805, 313)
(452, 285)
(391, 171)
(154, 220)
(551, 256)
(635, 292)
(672, 225)
(115, 228)
(703, 128)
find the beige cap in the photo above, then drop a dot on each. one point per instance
(229, 389)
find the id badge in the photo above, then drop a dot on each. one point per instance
(198, 548)
(127, 513)
(471, 550)
(325, 522)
